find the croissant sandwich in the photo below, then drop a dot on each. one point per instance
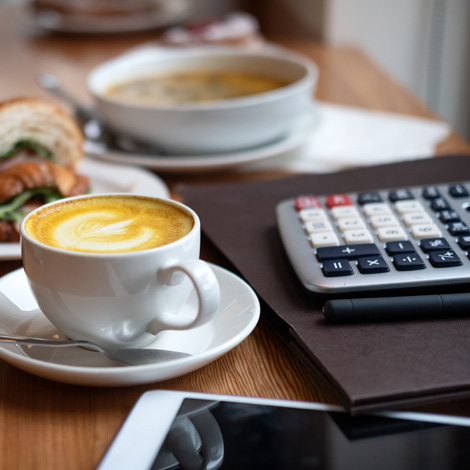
(40, 149)
(35, 126)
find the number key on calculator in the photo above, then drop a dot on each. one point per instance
(381, 240)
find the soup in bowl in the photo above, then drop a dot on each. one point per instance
(204, 100)
(193, 86)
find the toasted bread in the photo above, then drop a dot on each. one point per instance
(40, 174)
(32, 123)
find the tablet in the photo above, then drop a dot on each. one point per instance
(189, 431)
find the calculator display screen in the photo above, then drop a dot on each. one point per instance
(244, 436)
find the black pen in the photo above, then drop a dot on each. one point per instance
(397, 308)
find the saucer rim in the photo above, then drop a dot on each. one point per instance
(290, 141)
(168, 13)
(122, 375)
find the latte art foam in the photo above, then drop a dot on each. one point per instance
(109, 224)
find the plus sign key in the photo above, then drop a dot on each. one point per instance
(347, 251)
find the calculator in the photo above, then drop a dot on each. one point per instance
(390, 239)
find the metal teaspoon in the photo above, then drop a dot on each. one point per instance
(132, 357)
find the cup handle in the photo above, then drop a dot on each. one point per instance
(206, 287)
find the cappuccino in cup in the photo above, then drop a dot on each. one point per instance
(118, 269)
(109, 224)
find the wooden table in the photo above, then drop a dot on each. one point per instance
(44, 424)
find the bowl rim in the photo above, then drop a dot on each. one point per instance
(145, 56)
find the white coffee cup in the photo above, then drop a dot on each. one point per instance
(122, 299)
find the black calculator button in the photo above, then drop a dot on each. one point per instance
(368, 198)
(400, 195)
(347, 251)
(440, 204)
(336, 268)
(434, 244)
(458, 228)
(444, 259)
(464, 242)
(408, 262)
(372, 265)
(431, 192)
(457, 190)
(448, 216)
(395, 248)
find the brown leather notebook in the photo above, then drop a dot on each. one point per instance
(370, 365)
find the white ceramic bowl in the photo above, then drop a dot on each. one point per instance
(208, 127)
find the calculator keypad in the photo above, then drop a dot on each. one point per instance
(379, 240)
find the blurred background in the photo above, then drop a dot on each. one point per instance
(423, 44)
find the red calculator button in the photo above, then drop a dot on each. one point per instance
(307, 202)
(334, 200)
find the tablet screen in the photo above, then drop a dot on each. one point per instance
(226, 435)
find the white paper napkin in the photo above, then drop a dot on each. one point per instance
(345, 137)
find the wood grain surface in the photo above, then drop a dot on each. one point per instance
(48, 425)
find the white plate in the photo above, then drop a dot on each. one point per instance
(236, 318)
(196, 163)
(166, 12)
(107, 178)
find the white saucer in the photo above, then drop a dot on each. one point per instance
(236, 318)
(107, 178)
(214, 162)
(165, 13)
